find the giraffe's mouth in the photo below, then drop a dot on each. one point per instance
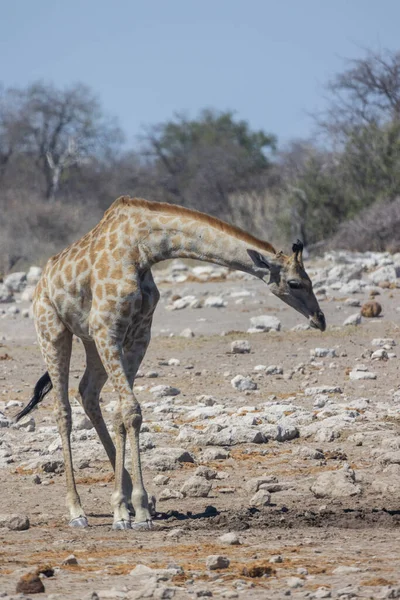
(317, 321)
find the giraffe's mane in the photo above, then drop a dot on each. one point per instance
(174, 209)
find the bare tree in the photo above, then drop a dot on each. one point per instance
(366, 93)
(56, 128)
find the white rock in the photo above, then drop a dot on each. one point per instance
(216, 561)
(161, 391)
(383, 342)
(170, 494)
(187, 333)
(274, 370)
(240, 347)
(15, 282)
(254, 484)
(230, 539)
(353, 320)
(388, 273)
(196, 487)
(357, 375)
(5, 294)
(323, 352)
(27, 294)
(261, 498)
(215, 302)
(14, 522)
(242, 383)
(33, 275)
(336, 484)
(266, 323)
(322, 389)
(379, 354)
(259, 368)
(174, 362)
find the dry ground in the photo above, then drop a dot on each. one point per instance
(313, 536)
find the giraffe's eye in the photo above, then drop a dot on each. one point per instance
(294, 284)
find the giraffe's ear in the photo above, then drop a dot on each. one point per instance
(261, 261)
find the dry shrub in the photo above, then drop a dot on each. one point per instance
(259, 213)
(32, 229)
(376, 228)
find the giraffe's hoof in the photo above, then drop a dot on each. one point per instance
(79, 522)
(143, 525)
(122, 525)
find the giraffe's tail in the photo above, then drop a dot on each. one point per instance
(42, 388)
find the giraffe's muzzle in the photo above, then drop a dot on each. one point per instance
(318, 321)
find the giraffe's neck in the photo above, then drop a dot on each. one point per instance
(182, 233)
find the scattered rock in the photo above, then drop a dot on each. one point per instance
(353, 320)
(230, 539)
(261, 498)
(15, 282)
(240, 347)
(187, 333)
(196, 487)
(242, 383)
(371, 309)
(336, 484)
(323, 352)
(217, 561)
(160, 391)
(70, 560)
(215, 302)
(170, 494)
(30, 584)
(264, 323)
(14, 522)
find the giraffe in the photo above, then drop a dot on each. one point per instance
(101, 290)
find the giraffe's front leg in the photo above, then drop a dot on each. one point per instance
(128, 422)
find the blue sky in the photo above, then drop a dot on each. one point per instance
(265, 59)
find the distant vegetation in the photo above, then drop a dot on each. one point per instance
(63, 161)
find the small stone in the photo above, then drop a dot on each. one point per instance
(276, 558)
(176, 533)
(14, 522)
(217, 561)
(371, 310)
(30, 584)
(174, 362)
(323, 592)
(187, 333)
(265, 323)
(161, 391)
(295, 582)
(70, 560)
(170, 494)
(215, 454)
(323, 352)
(240, 347)
(161, 479)
(36, 479)
(380, 354)
(230, 539)
(353, 320)
(242, 383)
(215, 302)
(274, 370)
(196, 487)
(261, 498)
(357, 375)
(206, 472)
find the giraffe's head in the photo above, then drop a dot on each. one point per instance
(288, 280)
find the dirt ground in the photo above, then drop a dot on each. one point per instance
(349, 546)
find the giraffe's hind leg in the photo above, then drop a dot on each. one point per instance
(56, 343)
(90, 387)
